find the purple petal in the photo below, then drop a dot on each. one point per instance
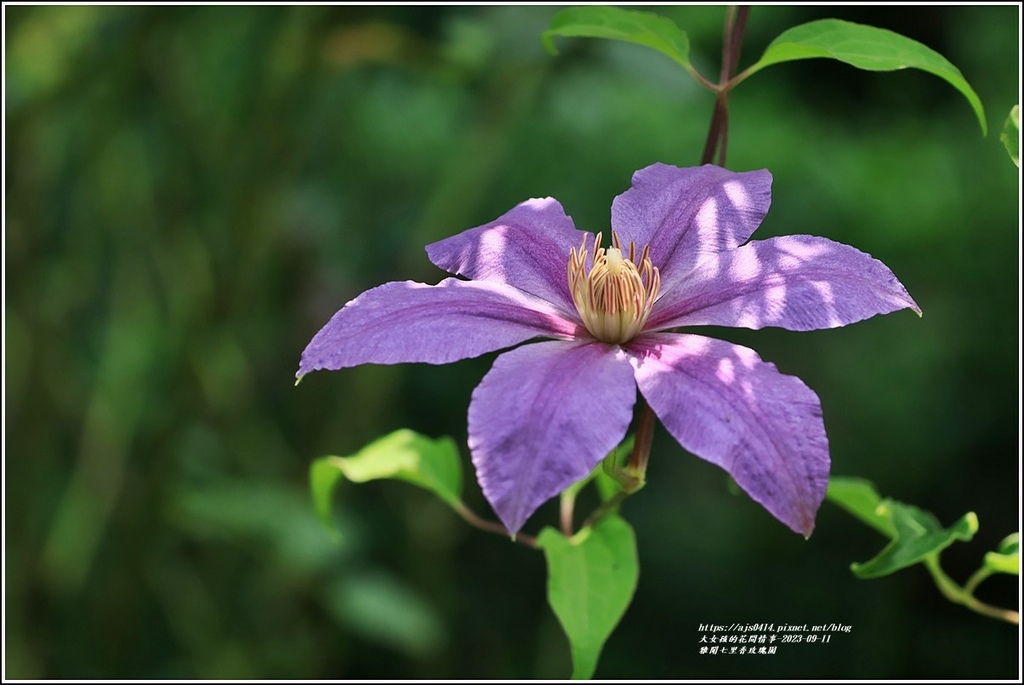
(411, 322)
(527, 248)
(543, 417)
(798, 282)
(687, 213)
(725, 405)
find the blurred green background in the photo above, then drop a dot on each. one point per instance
(192, 191)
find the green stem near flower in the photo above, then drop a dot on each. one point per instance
(965, 595)
(606, 508)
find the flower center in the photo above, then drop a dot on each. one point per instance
(615, 297)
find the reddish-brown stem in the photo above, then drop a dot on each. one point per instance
(727, 35)
(493, 527)
(732, 45)
(566, 510)
(718, 135)
(719, 119)
(642, 442)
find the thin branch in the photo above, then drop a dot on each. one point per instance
(727, 36)
(736, 41)
(642, 441)
(701, 80)
(959, 595)
(566, 506)
(714, 131)
(606, 508)
(493, 527)
(732, 46)
(724, 137)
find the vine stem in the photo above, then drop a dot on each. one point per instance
(732, 45)
(959, 595)
(566, 504)
(606, 508)
(493, 526)
(644, 438)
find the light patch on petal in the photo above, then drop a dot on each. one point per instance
(797, 282)
(525, 248)
(726, 373)
(743, 265)
(737, 194)
(543, 417)
(687, 213)
(542, 204)
(495, 242)
(803, 251)
(725, 405)
(706, 222)
(403, 321)
(828, 299)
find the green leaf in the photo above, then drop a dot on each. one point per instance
(402, 455)
(642, 28)
(918, 536)
(1010, 544)
(1007, 558)
(865, 47)
(860, 499)
(1011, 135)
(323, 477)
(591, 580)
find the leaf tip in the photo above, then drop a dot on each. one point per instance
(1010, 544)
(547, 38)
(972, 522)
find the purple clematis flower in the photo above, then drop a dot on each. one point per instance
(547, 413)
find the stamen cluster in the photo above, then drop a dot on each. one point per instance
(615, 297)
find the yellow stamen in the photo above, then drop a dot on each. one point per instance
(615, 297)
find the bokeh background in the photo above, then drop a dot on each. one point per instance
(191, 192)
